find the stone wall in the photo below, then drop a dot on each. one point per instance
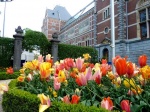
(133, 49)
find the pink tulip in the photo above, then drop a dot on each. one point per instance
(79, 63)
(107, 103)
(57, 84)
(66, 99)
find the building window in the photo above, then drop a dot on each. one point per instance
(87, 42)
(106, 13)
(106, 30)
(144, 22)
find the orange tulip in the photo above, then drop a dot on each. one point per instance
(107, 103)
(125, 106)
(142, 60)
(75, 99)
(121, 66)
(21, 78)
(130, 69)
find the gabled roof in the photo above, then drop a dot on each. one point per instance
(58, 12)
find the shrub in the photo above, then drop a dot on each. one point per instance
(5, 76)
(17, 100)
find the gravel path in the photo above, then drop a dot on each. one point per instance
(3, 82)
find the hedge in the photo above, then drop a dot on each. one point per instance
(16, 100)
(5, 76)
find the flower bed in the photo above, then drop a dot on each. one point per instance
(16, 100)
(79, 82)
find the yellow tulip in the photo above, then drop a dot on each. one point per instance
(86, 56)
(45, 102)
(129, 83)
(45, 70)
(3, 88)
(61, 76)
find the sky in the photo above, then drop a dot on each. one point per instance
(30, 13)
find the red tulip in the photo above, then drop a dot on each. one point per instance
(130, 69)
(125, 106)
(121, 66)
(75, 99)
(9, 70)
(142, 60)
(107, 103)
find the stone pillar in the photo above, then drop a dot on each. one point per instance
(54, 48)
(17, 48)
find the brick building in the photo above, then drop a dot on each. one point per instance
(79, 29)
(132, 28)
(93, 28)
(54, 20)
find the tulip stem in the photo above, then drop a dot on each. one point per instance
(93, 92)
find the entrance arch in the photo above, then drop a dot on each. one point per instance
(105, 54)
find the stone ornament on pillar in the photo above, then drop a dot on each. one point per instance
(17, 48)
(54, 48)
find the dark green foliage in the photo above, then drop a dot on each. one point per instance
(5, 76)
(16, 100)
(72, 51)
(34, 40)
(6, 51)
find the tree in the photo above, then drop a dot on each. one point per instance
(34, 40)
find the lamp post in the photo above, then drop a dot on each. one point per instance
(112, 32)
(4, 14)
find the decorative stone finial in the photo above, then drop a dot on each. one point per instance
(19, 30)
(55, 35)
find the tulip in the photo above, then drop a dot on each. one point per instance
(142, 60)
(129, 83)
(66, 99)
(121, 67)
(56, 83)
(125, 106)
(115, 58)
(78, 81)
(130, 69)
(69, 63)
(61, 76)
(86, 56)
(107, 103)
(79, 63)
(45, 70)
(3, 88)
(9, 70)
(21, 78)
(29, 77)
(45, 102)
(75, 99)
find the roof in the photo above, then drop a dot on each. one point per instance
(58, 12)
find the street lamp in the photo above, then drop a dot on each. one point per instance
(4, 13)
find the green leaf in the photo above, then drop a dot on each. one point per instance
(96, 103)
(83, 102)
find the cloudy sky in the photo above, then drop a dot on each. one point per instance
(30, 13)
